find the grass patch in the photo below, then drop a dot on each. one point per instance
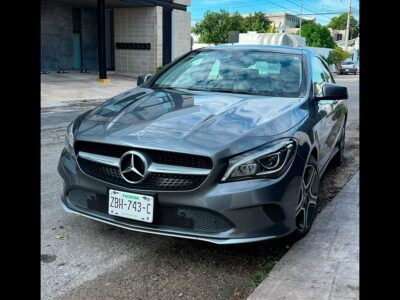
(263, 271)
(267, 263)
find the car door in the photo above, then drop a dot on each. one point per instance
(337, 117)
(325, 111)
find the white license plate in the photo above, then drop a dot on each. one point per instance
(131, 206)
(347, 70)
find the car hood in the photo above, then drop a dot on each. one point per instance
(182, 120)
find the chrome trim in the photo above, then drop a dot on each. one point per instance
(221, 241)
(132, 167)
(171, 169)
(153, 168)
(102, 159)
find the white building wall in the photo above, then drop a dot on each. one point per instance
(181, 29)
(183, 2)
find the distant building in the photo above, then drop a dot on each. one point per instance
(353, 47)
(293, 31)
(282, 21)
(337, 35)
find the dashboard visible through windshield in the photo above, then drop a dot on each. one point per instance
(239, 71)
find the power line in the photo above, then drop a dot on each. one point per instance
(321, 13)
(324, 13)
(304, 8)
(313, 5)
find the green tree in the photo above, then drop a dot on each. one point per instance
(305, 22)
(337, 56)
(272, 29)
(317, 35)
(340, 23)
(257, 22)
(215, 26)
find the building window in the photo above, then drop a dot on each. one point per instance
(339, 37)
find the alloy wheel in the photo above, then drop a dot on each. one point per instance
(307, 203)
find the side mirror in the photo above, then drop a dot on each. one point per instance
(333, 91)
(143, 78)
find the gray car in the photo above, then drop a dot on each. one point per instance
(227, 144)
(348, 67)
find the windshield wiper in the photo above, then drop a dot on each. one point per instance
(232, 91)
(209, 90)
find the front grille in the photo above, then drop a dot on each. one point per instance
(153, 181)
(178, 217)
(161, 157)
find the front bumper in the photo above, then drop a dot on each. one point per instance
(258, 209)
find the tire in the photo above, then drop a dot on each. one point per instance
(339, 157)
(307, 204)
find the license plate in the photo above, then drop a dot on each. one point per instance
(131, 206)
(347, 70)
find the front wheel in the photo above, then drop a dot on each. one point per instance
(306, 208)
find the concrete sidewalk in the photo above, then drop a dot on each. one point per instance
(324, 264)
(63, 89)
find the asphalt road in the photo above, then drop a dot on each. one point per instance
(82, 258)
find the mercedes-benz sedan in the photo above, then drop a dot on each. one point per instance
(227, 144)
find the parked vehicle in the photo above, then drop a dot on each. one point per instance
(226, 145)
(348, 67)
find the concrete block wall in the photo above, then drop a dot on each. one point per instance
(56, 36)
(56, 40)
(89, 39)
(138, 25)
(181, 29)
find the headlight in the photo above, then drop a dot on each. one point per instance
(270, 160)
(69, 139)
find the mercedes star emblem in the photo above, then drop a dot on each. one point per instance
(140, 133)
(133, 166)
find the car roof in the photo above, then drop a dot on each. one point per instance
(280, 49)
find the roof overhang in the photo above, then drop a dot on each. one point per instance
(123, 3)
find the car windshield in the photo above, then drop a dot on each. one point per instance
(348, 63)
(236, 71)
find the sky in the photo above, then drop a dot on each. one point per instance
(321, 9)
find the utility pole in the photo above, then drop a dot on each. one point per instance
(346, 42)
(301, 16)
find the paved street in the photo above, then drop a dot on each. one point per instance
(85, 259)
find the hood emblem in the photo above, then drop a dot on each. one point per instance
(133, 166)
(140, 133)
